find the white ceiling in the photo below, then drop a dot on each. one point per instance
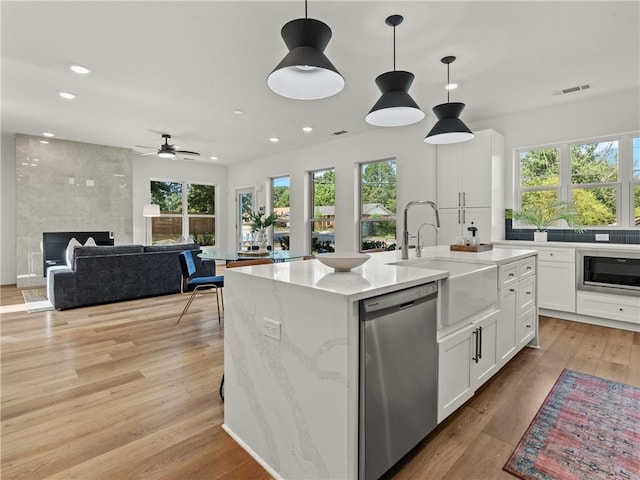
(182, 67)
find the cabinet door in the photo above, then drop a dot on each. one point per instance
(481, 218)
(506, 336)
(557, 286)
(454, 368)
(450, 226)
(476, 168)
(484, 361)
(449, 175)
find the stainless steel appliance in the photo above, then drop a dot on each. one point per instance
(398, 376)
(612, 271)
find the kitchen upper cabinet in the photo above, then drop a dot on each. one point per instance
(470, 187)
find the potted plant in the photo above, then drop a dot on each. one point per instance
(259, 222)
(542, 216)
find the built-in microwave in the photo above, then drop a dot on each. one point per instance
(612, 271)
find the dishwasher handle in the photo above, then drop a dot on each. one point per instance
(401, 300)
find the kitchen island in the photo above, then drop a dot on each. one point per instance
(292, 352)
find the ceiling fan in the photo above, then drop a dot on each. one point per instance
(166, 150)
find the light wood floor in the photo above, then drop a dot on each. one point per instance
(119, 391)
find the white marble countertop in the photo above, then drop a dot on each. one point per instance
(384, 272)
(581, 245)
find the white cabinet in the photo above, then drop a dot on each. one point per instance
(469, 187)
(517, 320)
(454, 370)
(466, 359)
(624, 308)
(557, 279)
(484, 361)
(506, 336)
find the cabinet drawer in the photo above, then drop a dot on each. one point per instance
(556, 254)
(527, 294)
(526, 267)
(526, 327)
(613, 307)
(507, 274)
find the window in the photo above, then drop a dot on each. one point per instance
(635, 147)
(323, 214)
(186, 210)
(280, 205)
(378, 205)
(596, 176)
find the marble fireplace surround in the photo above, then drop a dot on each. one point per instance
(65, 186)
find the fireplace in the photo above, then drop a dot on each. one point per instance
(54, 245)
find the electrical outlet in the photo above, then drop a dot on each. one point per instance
(271, 328)
(602, 237)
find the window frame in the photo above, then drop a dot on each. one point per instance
(311, 213)
(271, 207)
(625, 206)
(185, 215)
(361, 219)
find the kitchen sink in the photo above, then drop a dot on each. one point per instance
(470, 288)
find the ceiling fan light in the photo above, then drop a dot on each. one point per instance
(449, 128)
(305, 73)
(395, 107)
(166, 154)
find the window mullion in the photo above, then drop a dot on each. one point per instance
(564, 193)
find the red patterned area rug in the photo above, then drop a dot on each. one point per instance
(587, 428)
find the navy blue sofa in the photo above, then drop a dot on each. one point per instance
(107, 274)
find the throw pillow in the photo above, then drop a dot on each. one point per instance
(73, 243)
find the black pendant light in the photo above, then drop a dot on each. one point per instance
(305, 73)
(395, 107)
(449, 128)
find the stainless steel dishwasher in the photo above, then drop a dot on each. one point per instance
(398, 376)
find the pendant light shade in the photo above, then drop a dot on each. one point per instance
(395, 107)
(449, 128)
(305, 73)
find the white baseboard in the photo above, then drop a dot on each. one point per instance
(576, 317)
(253, 454)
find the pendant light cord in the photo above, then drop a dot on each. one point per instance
(448, 83)
(305, 8)
(394, 47)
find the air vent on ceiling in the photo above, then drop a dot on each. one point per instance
(564, 91)
(339, 132)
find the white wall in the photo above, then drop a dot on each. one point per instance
(8, 209)
(415, 162)
(590, 116)
(151, 167)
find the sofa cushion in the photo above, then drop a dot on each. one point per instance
(107, 250)
(176, 247)
(71, 248)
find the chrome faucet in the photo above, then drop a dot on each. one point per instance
(405, 236)
(419, 245)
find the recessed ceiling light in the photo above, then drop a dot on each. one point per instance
(67, 95)
(307, 129)
(79, 69)
(274, 139)
(47, 134)
(451, 86)
(213, 157)
(44, 141)
(238, 112)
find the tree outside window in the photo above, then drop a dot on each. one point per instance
(323, 214)
(378, 205)
(186, 210)
(281, 206)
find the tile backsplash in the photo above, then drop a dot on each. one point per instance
(631, 236)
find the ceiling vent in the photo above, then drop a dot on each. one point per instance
(339, 132)
(564, 91)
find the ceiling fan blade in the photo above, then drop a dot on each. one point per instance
(144, 146)
(145, 154)
(187, 152)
